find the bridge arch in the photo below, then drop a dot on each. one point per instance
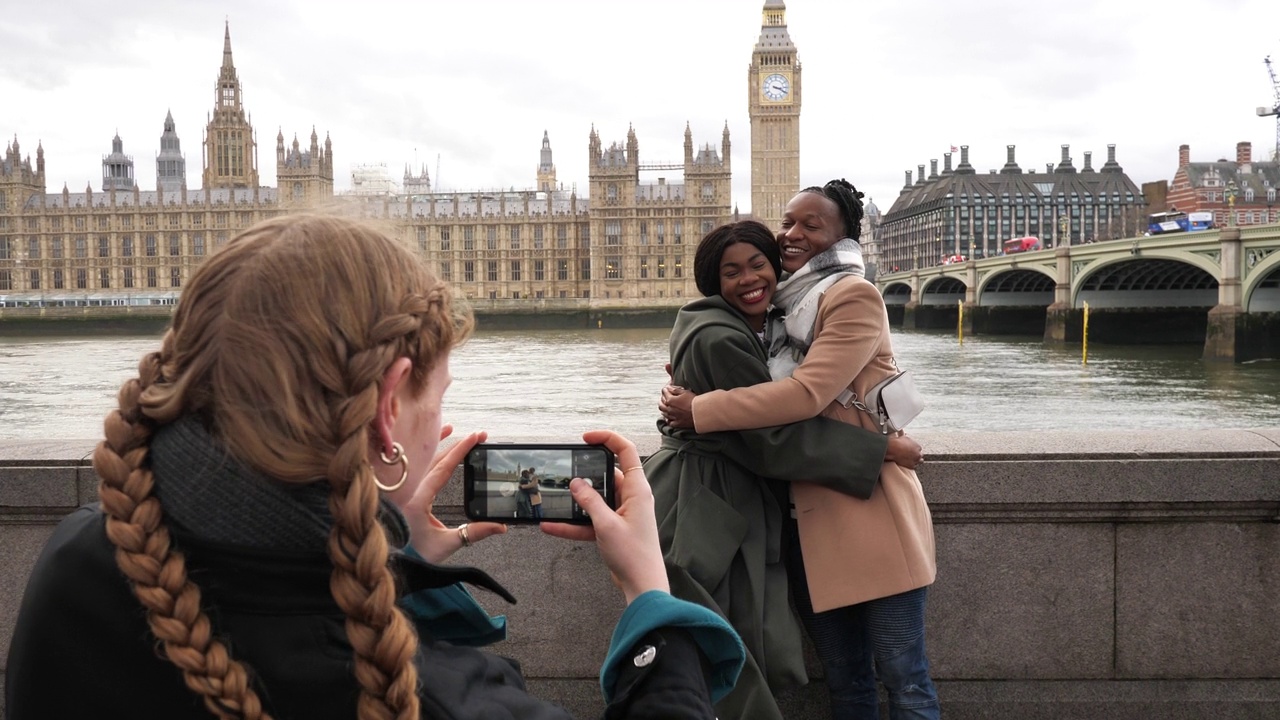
(1021, 286)
(1144, 281)
(943, 290)
(1261, 291)
(897, 293)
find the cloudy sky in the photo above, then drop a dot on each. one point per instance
(472, 85)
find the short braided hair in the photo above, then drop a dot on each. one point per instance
(848, 200)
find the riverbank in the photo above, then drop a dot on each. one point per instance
(63, 321)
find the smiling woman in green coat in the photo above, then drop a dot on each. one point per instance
(720, 497)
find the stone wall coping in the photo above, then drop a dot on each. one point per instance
(938, 446)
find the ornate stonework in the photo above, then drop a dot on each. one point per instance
(773, 91)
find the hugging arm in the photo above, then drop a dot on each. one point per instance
(815, 449)
(853, 322)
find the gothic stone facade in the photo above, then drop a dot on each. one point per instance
(133, 247)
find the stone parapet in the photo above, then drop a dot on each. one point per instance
(1080, 575)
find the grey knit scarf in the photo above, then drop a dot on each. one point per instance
(790, 325)
(216, 498)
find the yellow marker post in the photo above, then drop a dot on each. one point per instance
(1084, 344)
(960, 321)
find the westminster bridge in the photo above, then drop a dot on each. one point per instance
(1217, 287)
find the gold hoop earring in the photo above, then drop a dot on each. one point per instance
(397, 456)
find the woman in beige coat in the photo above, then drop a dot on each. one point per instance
(859, 569)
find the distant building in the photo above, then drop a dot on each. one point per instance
(646, 231)
(372, 179)
(546, 178)
(1203, 187)
(869, 238)
(773, 86)
(231, 146)
(632, 245)
(419, 184)
(960, 212)
(305, 177)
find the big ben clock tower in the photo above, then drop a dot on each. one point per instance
(774, 106)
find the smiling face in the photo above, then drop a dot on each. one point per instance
(747, 282)
(810, 225)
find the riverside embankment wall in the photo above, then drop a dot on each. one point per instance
(1080, 575)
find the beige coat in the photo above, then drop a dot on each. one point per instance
(854, 550)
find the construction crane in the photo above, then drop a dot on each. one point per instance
(1275, 109)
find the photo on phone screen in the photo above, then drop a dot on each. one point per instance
(530, 482)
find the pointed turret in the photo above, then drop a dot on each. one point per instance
(171, 165)
(688, 143)
(725, 145)
(230, 146)
(117, 168)
(546, 176)
(227, 63)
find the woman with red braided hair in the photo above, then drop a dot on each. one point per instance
(266, 483)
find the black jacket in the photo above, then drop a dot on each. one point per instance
(82, 647)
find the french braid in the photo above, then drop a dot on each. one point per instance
(158, 573)
(848, 200)
(309, 311)
(361, 582)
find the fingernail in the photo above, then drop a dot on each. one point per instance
(577, 485)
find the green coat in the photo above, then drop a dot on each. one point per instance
(721, 497)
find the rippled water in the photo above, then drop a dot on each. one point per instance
(524, 385)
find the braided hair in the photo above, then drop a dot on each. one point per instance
(706, 259)
(308, 311)
(848, 200)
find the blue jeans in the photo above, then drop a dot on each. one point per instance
(883, 637)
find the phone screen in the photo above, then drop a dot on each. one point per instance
(530, 482)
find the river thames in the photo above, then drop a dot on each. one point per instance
(547, 384)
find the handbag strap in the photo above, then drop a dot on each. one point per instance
(848, 398)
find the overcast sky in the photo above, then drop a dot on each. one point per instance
(887, 85)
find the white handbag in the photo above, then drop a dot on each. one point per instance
(892, 402)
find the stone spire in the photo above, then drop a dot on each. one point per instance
(171, 164)
(546, 180)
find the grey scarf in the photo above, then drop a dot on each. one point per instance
(218, 499)
(790, 325)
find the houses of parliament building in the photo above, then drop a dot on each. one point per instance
(628, 243)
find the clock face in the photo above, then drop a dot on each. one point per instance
(776, 87)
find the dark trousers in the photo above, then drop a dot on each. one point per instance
(882, 637)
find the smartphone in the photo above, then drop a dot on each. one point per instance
(529, 482)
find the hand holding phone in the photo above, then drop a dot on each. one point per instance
(628, 536)
(430, 537)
